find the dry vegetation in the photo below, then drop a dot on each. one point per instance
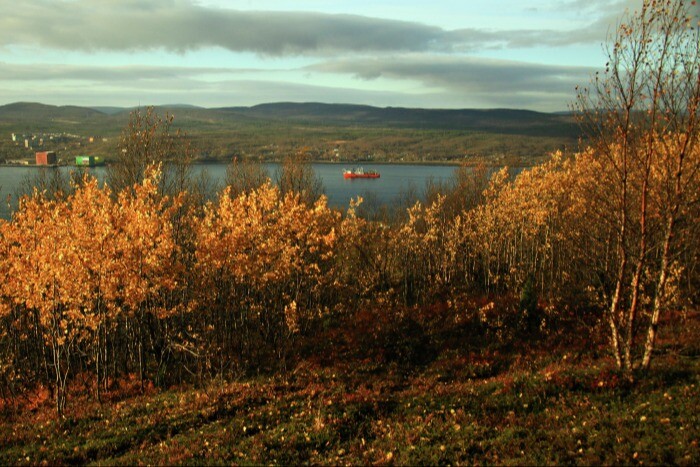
(547, 319)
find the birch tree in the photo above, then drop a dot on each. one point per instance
(641, 118)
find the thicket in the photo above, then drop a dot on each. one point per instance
(138, 282)
(156, 282)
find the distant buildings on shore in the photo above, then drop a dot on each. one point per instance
(46, 158)
(88, 161)
(30, 141)
(50, 158)
(35, 140)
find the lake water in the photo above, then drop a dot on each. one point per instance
(395, 180)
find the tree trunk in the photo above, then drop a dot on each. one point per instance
(660, 288)
(636, 279)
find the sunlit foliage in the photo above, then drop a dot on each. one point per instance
(135, 279)
(76, 265)
(263, 259)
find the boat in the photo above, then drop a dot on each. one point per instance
(360, 173)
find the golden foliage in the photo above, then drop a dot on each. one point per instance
(266, 251)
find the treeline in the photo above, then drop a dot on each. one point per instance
(173, 289)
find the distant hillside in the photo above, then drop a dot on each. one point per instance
(329, 132)
(506, 121)
(108, 110)
(31, 111)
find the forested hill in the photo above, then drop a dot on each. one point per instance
(390, 133)
(33, 111)
(507, 121)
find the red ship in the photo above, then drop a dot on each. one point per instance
(360, 173)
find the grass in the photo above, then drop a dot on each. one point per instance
(548, 400)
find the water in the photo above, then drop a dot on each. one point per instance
(395, 180)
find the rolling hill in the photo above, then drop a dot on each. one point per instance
(269, 130)
(32, 111)
(506, 121)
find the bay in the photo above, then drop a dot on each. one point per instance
(396, 180)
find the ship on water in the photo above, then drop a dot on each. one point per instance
(360, 173)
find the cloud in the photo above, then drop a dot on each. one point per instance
(48, 72)
(602, 16)
(489, 82)
(385, 50)
(181, 25)
(224, 93)
(444, 81)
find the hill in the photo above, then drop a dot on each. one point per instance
(327, 131)
(506, 121)
(31, 111)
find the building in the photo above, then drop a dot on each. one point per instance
(46, 158)
(88, 161)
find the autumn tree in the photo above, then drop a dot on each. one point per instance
(262, 265)
(58, 266)
(367, 261)
(83, 272)
(149, 262)
(430, 244)
(11, 335)
(38, 250)
(244, 175)
(150, 139)
(641, 119)
(463, 191)
(296, 175)
(518, 236)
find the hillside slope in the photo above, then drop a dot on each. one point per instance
(507, 121)
(329, 132)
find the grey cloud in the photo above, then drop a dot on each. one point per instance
(249, 92)
(46, 72)
(448, 82)
(451, 83)
(602, 17)
(494, 81)
(590, 6)
(181, 25)
(218, 94)
(595, 32)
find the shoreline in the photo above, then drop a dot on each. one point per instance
(318, 162)
(398, 163)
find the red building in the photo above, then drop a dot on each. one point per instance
(45, 158)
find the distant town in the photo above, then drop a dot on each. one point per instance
(51, 157)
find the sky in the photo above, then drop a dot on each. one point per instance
(525, 54)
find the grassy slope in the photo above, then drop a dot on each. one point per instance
(525, 401)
